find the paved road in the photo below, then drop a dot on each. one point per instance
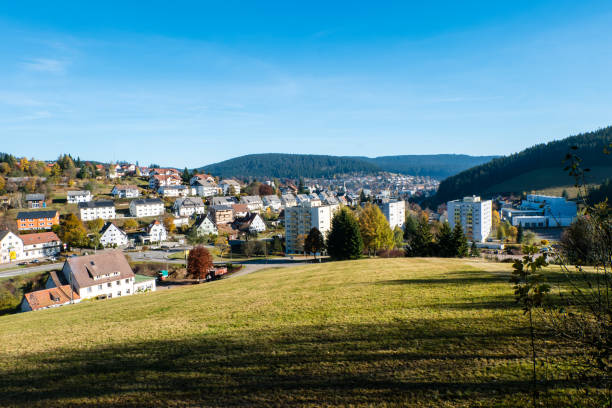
(29, 269)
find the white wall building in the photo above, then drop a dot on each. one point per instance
(273, 202)
(205, 226)
(74, 197)
(92, 210)
(40, 245)
(146, 207)
(473, 215)
(111, 235)
(253, 203)
(186, 207)
(11, 247)
(395, 213)
(125, 191)
(230, 187)
(301, 219)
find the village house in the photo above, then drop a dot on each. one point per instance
(165, 172)
(223, 201)
(251, 223)
(48, 298)
(221, 214)
(146, 207)
(186, 207)
(288, 200)
(201, 177)
(112, 236)
(230, 187)
(174, 191)
(205, 188)
(240, 210)
(125, 191)
(253, 203)
(92, 210)
(160, 180)
(81, 196)
(205, 225)
(11, 247)
(272, 202)
(35, 200)
(33, 220)
(40, 245)
(155, 232)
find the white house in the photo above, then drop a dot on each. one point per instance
(272, 202)
(40, 245)
(253, 203)
(143, 284)
(186, 207)
(48, 298)
(125, 191)
(156, 232)
(201, 177)
(82, 196)
(174, 191)
(205, 226)
(159, 180)
(11, 247)
(288, 200)
(205, 188)
(146, 207)
(230, 187)
(251, 223)
(111, 235)
(223, 201)
(92, 210)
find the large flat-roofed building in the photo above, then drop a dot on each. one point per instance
(299, 220)
(474, 216)
(92, 210)
(36, 220)
(394, 212)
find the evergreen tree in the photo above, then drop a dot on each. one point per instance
(362, 197)
(474, 251)
(344, 240)
(520, 234)
(461, 245)
(410, 227)
(421, 243)
(446, 246)
(186, 176)
(301, 186)
(314, 242)
(398, 237)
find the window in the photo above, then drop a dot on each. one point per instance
(127, 280)
(109, 284)
(89, 289)
(99, 287)
(117, 283)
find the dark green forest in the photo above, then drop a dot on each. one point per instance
(479, 180)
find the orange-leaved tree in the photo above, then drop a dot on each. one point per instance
(199, 262)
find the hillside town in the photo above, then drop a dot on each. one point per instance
(131, 209)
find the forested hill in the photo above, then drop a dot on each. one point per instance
(433, 165)
(540, 166)
(288, 165)
(307, 165)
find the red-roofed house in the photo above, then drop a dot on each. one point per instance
(40, 245)
(47, 298)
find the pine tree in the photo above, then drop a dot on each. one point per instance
(446, 246)
(422, 241)
(344, 240)
(186, 175)
(474, 251)
(410, 227)
(461, 245)
(362, 197)
(520, 234)
(314, 242)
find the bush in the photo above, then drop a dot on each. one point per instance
(391, 253)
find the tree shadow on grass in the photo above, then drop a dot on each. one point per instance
(359, 364)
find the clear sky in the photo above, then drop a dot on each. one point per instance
(192, 83)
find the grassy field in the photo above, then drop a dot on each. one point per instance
(379, 332)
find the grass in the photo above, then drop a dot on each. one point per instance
(375, 332)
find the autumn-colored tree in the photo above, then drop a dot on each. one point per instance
(222, 244)
(73, 232)
(169, 224)
(495, 220)
(398, 237)
(95, 225)
(130, 224)
(265, 190)
(374, 228)
(199, 262)
(30, 185)
(2, 183)
(24, 164)
(314, 242)
(5, 168)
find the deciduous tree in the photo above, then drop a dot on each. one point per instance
(199, 262)
(375, 231)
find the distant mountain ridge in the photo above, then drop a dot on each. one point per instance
(537, 167)
(283, 165)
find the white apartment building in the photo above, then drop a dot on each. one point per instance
(299, 220)
(40, 245)
(187, 206)
(395, 213)
(74, 197)
(473, 215)
(230, 186)
(146, 207)
(92, 210)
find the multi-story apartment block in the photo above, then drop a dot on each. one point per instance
(473, 215)
(299, 220)
(394, 212)
(31, 220)
(92, 210)
(75, 197)
(146, 207)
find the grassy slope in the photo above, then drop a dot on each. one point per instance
(401, 331)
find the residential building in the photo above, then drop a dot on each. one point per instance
(240, 210)
(35, 200)
(11, 247)
(221, 214)
(48, 298)
(40, 245)
(92, 210)
(144, 283)
(164, 172)
(125, 191)
(288, 200)
(186, 207)
(155, 232)
(299, 220)
(394, 212)
(474, 216)
(146, 207)
(103, 275)
(273, 202)
(253, 203)
(205, 225)
(81, 196)
(112, 236)
(223, 201)
(158, 180)
(201, 177)
(174, 191)
(230, 187)
(33, 220)
(205, 188)
(251, 223)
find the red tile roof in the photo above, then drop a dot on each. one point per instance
(50, 297)
(40, 238)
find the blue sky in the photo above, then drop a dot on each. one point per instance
(192, 83)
